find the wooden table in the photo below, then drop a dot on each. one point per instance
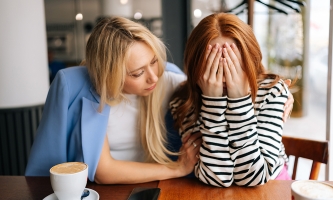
(20, 187)
(37, 188)
(192, 189)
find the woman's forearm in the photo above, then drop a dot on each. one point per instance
(257, 149)
(215, 166)
(111, 171)
(127, 172)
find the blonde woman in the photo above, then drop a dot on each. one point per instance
(109, 113)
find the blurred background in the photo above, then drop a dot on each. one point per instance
(38, 38)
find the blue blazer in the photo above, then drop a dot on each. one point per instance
(71, 128)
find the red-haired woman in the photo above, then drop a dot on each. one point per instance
(236, 105)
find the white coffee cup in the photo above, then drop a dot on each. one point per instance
(311, 190)
(69, 179)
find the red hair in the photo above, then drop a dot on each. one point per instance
(209, 28)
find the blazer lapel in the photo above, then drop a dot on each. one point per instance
(95, 95)
(93, 129)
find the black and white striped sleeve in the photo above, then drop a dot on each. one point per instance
(241, 143)
(215, 166)
(269, 110)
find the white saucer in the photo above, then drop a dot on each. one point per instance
(92, 196)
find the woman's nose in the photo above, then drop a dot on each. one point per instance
(152, 76)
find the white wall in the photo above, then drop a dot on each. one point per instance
(24, 79)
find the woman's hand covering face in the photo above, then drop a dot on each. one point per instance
(236, 79)
(211, 83)
(224, 63)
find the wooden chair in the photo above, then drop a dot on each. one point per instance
(305, 148)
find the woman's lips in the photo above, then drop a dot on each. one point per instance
(152, 87)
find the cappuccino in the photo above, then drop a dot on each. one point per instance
(68, 168)
(69, 179)
(312, 190)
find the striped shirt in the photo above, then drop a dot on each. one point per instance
(241, 140)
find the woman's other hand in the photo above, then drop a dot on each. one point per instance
(211, 83)
(189, 153)
(288, 106)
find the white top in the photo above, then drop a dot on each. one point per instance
(122, 131)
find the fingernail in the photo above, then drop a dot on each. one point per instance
(209, 47)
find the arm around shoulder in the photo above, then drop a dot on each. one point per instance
(111, 171)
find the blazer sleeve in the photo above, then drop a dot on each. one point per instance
(49, 147)
(173, 68)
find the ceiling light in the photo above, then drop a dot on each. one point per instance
(79, 17)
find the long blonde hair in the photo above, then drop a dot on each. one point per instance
(106, 55)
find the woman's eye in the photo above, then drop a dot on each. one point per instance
(154, 61)
(136, 75)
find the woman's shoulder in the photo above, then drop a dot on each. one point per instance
(175, 102)
(75, 71)
(270, 83)
(272, 86)
(74, 78)
(75, 74)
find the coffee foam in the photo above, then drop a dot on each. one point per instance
(68, 168)
(313, 189)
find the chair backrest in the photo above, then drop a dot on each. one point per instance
(306, 148)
